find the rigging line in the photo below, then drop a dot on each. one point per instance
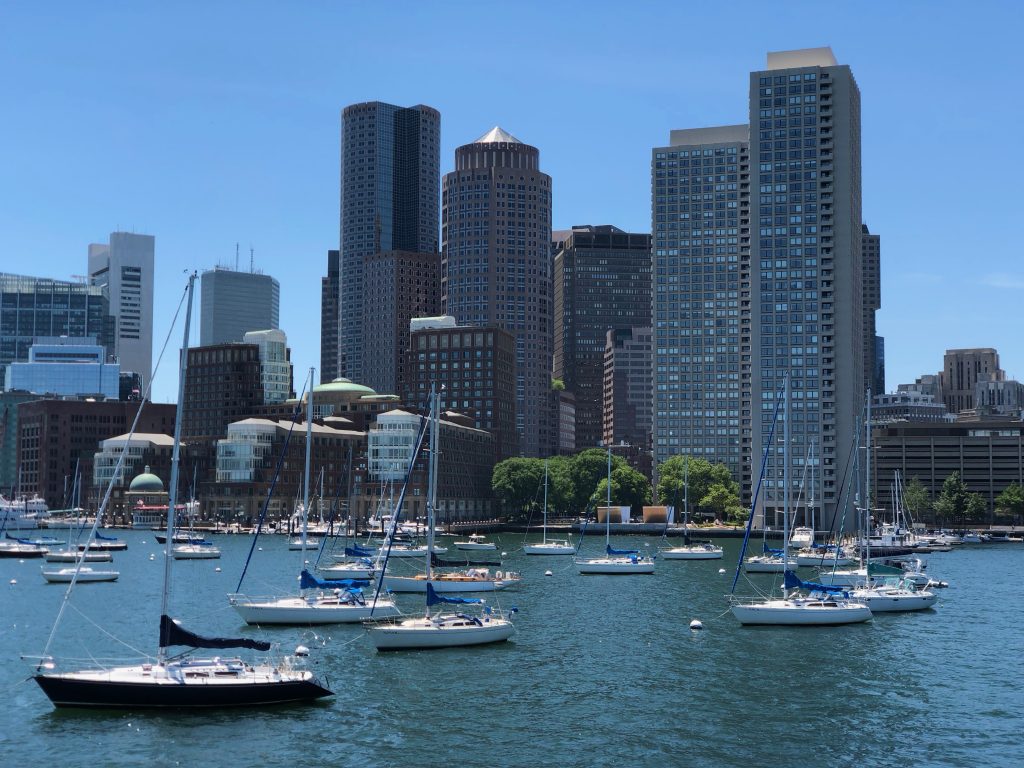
(757, 490)
(273, 485)
(77, 610)
(113, 478)
(330, 518)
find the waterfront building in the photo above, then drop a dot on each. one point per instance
(627, 409)
(247, 459)
(398, 286)
(329, 292)
(987, 452)
(233, 303)
(34, 307)
(807, 289)
(962, 370)
(566, 421)
(496, 230)
(9, 401)
(65, 366)
(700, 187)
(390, 166)
(124, 266)
(474, 368)
(223, 383)
(464, 468)
(908, 405)
(147, 453)
(601, 280)
(275, 364)
(871, 287)
(57, 436)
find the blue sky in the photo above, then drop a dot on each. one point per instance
(207, 124)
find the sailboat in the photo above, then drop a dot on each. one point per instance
(704, 550)
(319, 601)
(818, 609)
(177, 680)
(554, 546)
(72, 553)
(615, 561)
(441, 629)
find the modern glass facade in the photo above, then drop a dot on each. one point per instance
(701, 224)
(234, 303)
(31, 307)
(390, 167)
(65, 366)
(275, 364)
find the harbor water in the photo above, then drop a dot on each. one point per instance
(602, 671)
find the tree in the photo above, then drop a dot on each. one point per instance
(701, 475)
(629, 487)
(723, 502)
(586, 470)
(916, 499)
(956, 504)
(515, 483)
(1010, 503)
(976, 508)
(558, 385)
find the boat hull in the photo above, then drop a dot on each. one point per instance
(549, 548)
(73, 556)
(342, 571)
(65, 575)
(691, 553)
(476, 546)
(65, 691)
(417, 634)
(195, 553)
(411, 584)
(801, 613)
(765, 566)
(615, 566)
(300, 611)
(897, 603)
(21, 551)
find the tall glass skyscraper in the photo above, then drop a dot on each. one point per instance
(496, 229)
(390, 171)
(233, 303)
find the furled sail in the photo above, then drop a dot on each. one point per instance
(171, 633)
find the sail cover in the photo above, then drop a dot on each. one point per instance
(172, 633)
(358, 552)
(437, 562)
(101, 537)
(792, 581)
(309, 581)
(433, 598)
(612, 551)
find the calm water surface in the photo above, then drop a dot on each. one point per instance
(602, 671)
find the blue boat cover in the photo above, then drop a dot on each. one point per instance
(173, 634)
(433, 598)
(309, 581)
(608, 548)
(769, 551)
(358, 551)
(792, 581)
(101, 537)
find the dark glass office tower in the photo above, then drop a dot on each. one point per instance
(496, 232)
(390, 160)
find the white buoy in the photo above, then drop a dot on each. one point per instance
(259, 549)
(217, 569)
(302, 651)
(152, 556)
(14, 581)
(548, 573)
(696, 624)
(721, 570)
(504, 554)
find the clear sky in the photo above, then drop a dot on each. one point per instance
(210, 123)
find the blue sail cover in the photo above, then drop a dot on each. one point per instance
(792, 581)
(309, 581)
(608, 548)
(769, 551)
(358, 551)
(172, 634)
(433, 598)
(101, 537)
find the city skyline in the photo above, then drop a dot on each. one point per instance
(224, 146)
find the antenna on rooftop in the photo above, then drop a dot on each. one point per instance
(251, 251)
(236, 257)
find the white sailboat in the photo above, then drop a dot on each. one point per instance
(80, 575)
(546, 546)
(441, 629)
(701, 551)
(476, 542)
(318, 601)
(615, 561)
(792, 608)
(179, 680)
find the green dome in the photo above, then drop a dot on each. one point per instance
(147, 483)
(343, 386)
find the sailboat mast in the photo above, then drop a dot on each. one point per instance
(785, 475)
(435, 404)
(867, 491)
(309, 450)
(686, 499)
(175, 465)
(545, 501)
(810, 501)
(608, 503)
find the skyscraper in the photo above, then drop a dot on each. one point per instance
(125, 267)
(701, 224)
(329, 287)
(601, 281)
(808, 320)
(874, 350)
(390, 166)
(496, 232)
(233, 303)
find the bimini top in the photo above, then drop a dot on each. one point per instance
(147, 483)
(497, 135)
(343, 385)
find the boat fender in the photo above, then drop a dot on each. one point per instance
(696, 625)
(548, 573)
(498, 575)
(302, 651)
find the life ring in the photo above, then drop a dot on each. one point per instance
(498, 575)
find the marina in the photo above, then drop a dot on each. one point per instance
(599, 650)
